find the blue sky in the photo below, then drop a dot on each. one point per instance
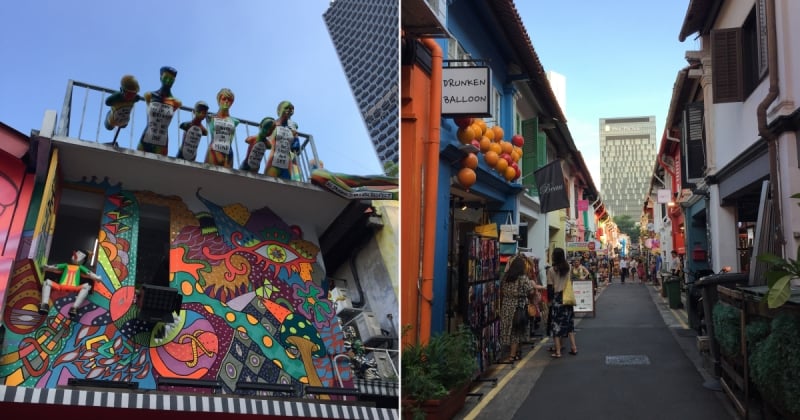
(264, 51)
(620, 59)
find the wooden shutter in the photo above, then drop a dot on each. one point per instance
(694, 150)
(726, 65)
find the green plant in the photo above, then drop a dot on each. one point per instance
(780, 275)
(431, 370)
(727, 329)
(775, 363)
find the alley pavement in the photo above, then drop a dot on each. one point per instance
(637, 359)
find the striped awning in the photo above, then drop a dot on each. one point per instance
(376, 387)
(27, 399)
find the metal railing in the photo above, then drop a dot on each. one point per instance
(89, 101)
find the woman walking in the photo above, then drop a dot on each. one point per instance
(563, 323)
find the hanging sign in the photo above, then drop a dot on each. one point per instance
(466, 91)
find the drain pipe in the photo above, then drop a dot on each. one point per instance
(431, 181)
(761, 114)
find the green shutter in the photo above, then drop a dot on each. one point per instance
(530, 161)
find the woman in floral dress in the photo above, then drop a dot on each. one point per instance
(515, 287)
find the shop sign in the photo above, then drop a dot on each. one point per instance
(466, 91)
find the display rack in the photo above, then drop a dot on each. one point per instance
(483, 297)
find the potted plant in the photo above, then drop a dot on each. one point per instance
(780, 275)
(436, 375)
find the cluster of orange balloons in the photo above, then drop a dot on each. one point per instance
(501, 155)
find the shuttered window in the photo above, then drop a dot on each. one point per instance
(694, 150)
(726, 65)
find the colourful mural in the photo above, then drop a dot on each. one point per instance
(255, 306)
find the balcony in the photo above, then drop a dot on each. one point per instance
(87, 153)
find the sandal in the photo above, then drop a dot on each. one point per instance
(555, 356)
(573, 352)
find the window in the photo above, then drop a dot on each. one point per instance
(152, 257)
(77, 224)
(739, 57)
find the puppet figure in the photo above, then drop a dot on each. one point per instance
(193, 131)
(222, 129)
(121, 103)
(285, 143)
(161, 106)
(257, 145)
(70, 281)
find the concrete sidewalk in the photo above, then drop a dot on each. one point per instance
(637, 358)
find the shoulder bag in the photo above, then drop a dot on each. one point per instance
(568, 296)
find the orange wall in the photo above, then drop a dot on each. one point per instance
(415, 91)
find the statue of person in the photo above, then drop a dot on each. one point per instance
(194, 130)
(257, 145)
(161, 106)
(281, 162)
(121, 103)
(70, 281)
(222, 129)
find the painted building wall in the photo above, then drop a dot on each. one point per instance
(255, 305)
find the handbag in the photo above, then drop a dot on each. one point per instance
(568, 295)
(488, 230)
(533, 310)
(508, 230)
(520, 319)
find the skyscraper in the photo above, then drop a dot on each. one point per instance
(627, 155)
(366, 35)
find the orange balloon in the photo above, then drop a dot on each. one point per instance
(510, 173)
(481, 123)
(501, 166)
(466, 177)
(506, 147)
(476, 128)
(498, 133)
(490, 134)
(485, 144)
(471, 161)
(491, 158)
(465, 135)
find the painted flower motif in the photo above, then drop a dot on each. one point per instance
(312, 304)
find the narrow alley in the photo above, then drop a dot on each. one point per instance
(636, 359)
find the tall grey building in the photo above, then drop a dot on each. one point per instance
(366, 35)
(627, 155)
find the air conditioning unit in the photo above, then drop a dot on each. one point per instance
(341, 300)
(369, 329)
(384, 365)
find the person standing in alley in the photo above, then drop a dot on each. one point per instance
(515, 290)
(675, 263)
(563, 321)
(623, 269)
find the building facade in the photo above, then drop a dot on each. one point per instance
(207, 284)
(365, 35)
(627, 152)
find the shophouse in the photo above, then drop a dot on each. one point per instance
(457, 71)
(730, 140)
(215, 289)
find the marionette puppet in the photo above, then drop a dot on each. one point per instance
(161, 107)
(73, 276)
(257, 145)
(285, 143)
(194, 130)
(222, 131)
(121, 104)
